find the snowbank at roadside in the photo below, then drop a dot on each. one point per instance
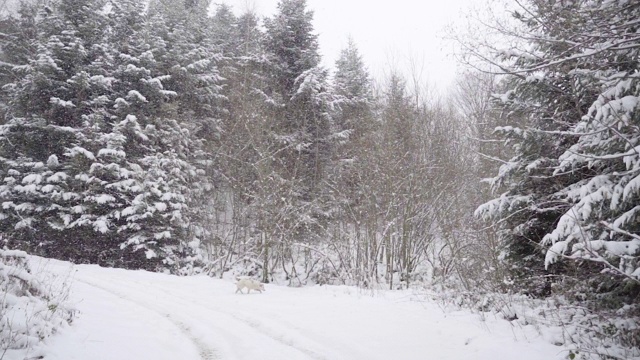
(33, 305)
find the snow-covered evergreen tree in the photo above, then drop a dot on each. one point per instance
(127, 105)
(353, 124)
(352, 158)
(39, 129)
(300, 90)
(225, 31)
(352, 79)
(292, 45)
(571, 186)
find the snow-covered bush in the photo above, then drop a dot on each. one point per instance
(32, 306)
(580, 332)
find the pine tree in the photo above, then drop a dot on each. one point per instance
(244, 75)
(352, 85)
(282, 102)
(225, 30)
(570, 185)
(292, 45)
(351, 169)
(298, 88)
(182, 89)
(39, 129)
(352, 79)
(128, 105)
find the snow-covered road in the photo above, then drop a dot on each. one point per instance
(139, 315)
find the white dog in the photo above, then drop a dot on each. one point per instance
(250, 284)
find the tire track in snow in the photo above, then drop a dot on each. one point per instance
(205, 351)
(257, 326)
(347, 352)
(269, 331)
(263, 325)
(281, 338)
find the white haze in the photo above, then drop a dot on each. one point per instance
(388, 34)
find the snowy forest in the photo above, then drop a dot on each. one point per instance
(180, 137)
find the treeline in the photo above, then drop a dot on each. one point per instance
(155, 136)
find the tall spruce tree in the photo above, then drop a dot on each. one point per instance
(354, 118)
(127, 104)
(292, 45)
(351, 175)
(38, 130)
(299, 89)
(571, 185)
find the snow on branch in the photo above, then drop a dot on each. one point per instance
(62, 103)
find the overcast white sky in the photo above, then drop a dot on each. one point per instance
(387, 32)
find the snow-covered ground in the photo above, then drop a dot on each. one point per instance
(140, 315)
